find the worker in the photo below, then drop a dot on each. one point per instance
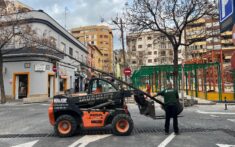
(148, 88)
(98, 89)
(171, 101)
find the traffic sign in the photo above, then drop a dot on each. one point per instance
(54, 68)
(226, 11)
(127, 71)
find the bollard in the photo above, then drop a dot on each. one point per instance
(225, 103)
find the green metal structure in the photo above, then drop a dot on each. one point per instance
(158, 75)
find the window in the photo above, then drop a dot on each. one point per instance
(106, 54)
(106, 36)
(101, 42)
(155, 60)
(133, 62)
(103, 85)
(155, 52)
(149, 38)
(140, 39)
(171, 52)
(133, 49)
(92, 42)
(70, 51)
(63, 47)
(163, 53)
(149, 60)
(139, 46)
(77, 54)
(149, 45)
(149, 53)
(101, 36)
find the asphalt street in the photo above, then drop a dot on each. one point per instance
(200, 126)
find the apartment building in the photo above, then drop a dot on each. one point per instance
(149, 48)
(211, 46)
(206, 31)
(102, 37)
(94, 59)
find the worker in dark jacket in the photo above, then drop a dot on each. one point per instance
(171, 98)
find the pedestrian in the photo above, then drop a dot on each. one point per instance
(171, 101)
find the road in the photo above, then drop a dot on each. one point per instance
(27, 125)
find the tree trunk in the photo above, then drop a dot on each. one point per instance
(3, 96)
(175, 62)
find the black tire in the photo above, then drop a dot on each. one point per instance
(117, 127)
(65, 120)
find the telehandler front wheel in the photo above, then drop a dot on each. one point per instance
(65, 126)
(122, 125)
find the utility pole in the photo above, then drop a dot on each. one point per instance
(120, 26)
(65, 15)
(123, 46)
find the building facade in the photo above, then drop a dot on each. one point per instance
(95, 59)
(100, 36)
(45, 63)
(211, 46)
(149, 48)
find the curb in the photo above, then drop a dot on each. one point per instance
(35, 100)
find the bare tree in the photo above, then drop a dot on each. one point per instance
(170, 17)
(7, 32)
(14, 29)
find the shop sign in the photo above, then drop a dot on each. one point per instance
(48, 67)
(40, 67)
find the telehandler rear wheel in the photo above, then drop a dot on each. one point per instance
(122, 125)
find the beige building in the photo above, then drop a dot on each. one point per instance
(14, 6)
(100, 36)
(207, 33)
(149, 48)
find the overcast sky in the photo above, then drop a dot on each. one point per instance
(80, 12)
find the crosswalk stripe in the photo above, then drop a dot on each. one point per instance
(233, 120)
(85, 140)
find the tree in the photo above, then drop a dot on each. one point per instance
(170, 17)
(7, 33)
(15, 30)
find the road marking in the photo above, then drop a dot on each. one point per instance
(214, 116)
(233, 120)
(204, 112)
(28, 144)
(225, 145)
(82, 142)
(167, 140)
(45, 104)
